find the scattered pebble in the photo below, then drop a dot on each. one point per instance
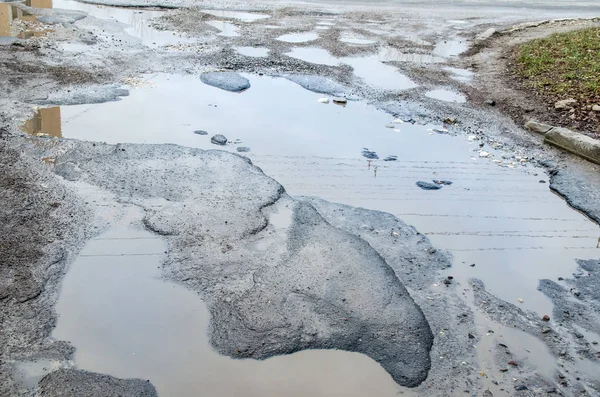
(442, 182)
(519, 300)
(428, 186)
(340, 101)
(323, 100)
(243, 149)
(200, 132)
(542, 181)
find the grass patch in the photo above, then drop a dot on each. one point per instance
(564, 65)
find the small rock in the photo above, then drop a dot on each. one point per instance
(442, 182)
(228, 81)
(565, 104)
(484, 154)
(450, 120)
(490, 102)
(546, 317)
(520, 387)
(487, 393)
(472, 265)
(428, 186)
(390, 158)
(243, 149)
(200, 132)
(340, 100)
(542, 181)
(540, 128)
(219, 140)
(519, 300)
(471, 336)
(546, 330)
(370, 154)
(503, 345)
(323, 100)
(596, 108)
(513, 363)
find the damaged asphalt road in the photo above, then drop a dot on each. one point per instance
(279, 274)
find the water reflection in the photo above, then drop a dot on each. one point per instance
(10, 13)
(45, 122)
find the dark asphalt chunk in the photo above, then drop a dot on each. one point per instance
(428, 185)
(228, 81)
(72, 382)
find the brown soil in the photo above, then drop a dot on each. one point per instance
(498, 79)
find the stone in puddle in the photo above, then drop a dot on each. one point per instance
(228, 81)
(370, 154)
(243, 149)
(219, 140)
(428, 185)
(200, 132)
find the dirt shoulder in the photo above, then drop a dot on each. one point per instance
(498, 80)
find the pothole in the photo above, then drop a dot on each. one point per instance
(124, 320)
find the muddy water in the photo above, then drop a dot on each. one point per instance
(501, 219)
(125, 321)
(498, 217)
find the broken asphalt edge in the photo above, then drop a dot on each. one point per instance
(570, 141)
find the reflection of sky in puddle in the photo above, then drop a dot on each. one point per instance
(370, 69)
(252, 51)
(378, 74)
(389, 54)
(242, 16)
(299, 37)
(144, 327)
(138, 21)
(446, 95)
(314, 55)
(450, 48)
(227, 29)
(501, 219)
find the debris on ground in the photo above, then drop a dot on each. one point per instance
(428, 185)
(219, 140)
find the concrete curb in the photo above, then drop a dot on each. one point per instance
(571, 141)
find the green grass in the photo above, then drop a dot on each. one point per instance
(564, 65)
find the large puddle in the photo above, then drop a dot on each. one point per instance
(498, 215)
(125, 321)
